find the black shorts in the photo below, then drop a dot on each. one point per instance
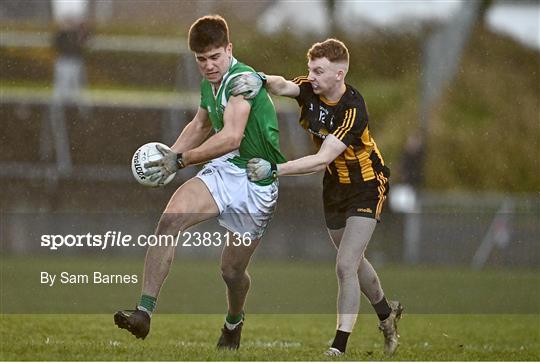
(342, 201)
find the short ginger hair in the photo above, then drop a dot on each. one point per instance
(332, 49)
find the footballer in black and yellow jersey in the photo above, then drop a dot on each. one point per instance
(356, 182)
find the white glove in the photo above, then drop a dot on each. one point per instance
(248, 85)
(162, 168)
(260, 169)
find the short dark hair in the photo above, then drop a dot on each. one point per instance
(332, 49)
(208, 32)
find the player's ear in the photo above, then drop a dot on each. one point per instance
(340, 75)
(228, 49)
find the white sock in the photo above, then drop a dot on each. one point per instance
(231, 326)
(142, 308)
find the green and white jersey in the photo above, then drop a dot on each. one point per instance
(261, 135)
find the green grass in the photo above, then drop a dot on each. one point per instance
(279, 287)
(268, 337)
(451, 313)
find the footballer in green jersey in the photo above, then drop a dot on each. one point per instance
(225, 133)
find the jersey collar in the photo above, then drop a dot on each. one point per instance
(225, 76)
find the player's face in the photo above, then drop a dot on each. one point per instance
(323, 75)
(214, 63)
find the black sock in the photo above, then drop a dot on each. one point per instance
(340, 341)
(382, 309)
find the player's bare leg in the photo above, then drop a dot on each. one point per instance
(351, 247)
(190, 204)
(350, 253)
(389, 312)
(370, 284)
(234, 263)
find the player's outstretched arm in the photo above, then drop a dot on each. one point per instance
(331, 148)
(227, 139)
(249, 85)
(279, 86)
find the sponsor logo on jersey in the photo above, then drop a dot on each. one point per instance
(207, 171)
(322, 133)
(364, 210)
(323, 112)
(331, 122)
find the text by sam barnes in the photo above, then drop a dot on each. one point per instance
(96, 277)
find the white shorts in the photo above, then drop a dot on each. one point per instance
(244, 207)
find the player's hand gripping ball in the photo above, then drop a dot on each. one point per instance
(153, 176)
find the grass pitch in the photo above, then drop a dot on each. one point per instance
(268, 338)
(450, 313)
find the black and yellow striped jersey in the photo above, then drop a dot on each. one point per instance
(347, 120)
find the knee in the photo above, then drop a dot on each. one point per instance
(346, 268)
(232, 274)
(361, 265)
